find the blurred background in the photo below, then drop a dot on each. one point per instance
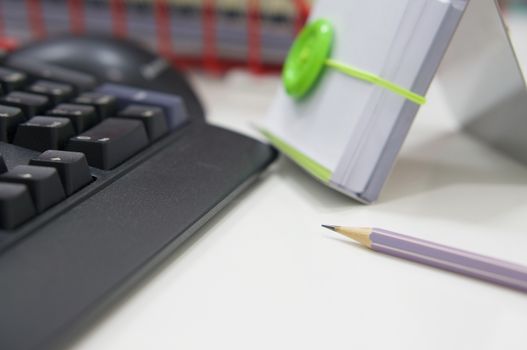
(514, 4)
(214, 35)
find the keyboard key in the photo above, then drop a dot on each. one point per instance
(11, 79)
(111, 142)
(30, 104)
(41, 70)
(10, 117)
(16, 205)
(82, 117)
(43, 133)
(105, 105)
(3, 166)
(72, 167)
(173, 106)
(152, 117)
(43, 184)
(56, 92)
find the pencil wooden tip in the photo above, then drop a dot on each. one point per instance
(359, 234)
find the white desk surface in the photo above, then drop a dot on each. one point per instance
(264, 275)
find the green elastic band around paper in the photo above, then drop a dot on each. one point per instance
(377, 80)
(314, 168)
(311, 53)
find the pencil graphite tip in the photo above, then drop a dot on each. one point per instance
(330, 227)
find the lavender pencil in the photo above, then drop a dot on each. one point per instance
(456, 260)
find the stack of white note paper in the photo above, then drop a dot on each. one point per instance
(347, 132)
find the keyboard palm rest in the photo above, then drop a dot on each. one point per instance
(124, 209)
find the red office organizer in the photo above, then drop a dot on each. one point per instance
(210, 59)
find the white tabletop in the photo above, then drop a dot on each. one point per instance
(264, 275)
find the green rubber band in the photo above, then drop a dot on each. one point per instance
(377, 80)
(311, 166)
(310, 54)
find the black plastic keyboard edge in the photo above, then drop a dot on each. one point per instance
(53, 274)
(72, 332)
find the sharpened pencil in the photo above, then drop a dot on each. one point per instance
(447, 258)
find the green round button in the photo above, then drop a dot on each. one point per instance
(307, 58)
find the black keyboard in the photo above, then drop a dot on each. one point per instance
(74, 128)
(102, 174)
